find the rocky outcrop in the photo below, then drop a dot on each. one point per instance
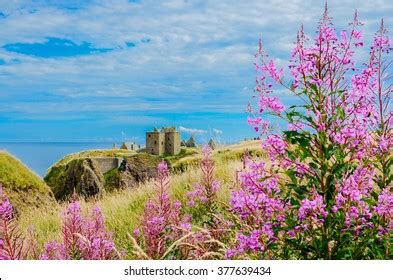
(132, 170)
(85, 176)
(141, 167)
(82, 176)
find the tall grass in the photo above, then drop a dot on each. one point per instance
(14, 173)
(23, 187)
(123, 209)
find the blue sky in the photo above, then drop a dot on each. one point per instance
(109, 70)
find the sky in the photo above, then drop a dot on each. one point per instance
(109, 70)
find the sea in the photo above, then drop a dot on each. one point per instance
(40, 156)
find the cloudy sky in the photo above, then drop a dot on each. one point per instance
(105, 70)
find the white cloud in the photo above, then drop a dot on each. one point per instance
(217, 131)
(199, 57)
(192, 130)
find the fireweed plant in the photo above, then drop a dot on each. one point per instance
(166, 231)
(203, 196)
(327, 190)
(82, 237)
(162, 225)
(13, 245)
(212, 228)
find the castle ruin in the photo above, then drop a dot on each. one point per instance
(166, 141)
(131, 146)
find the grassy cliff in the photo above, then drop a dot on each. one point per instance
(24, 188)
(79, 172)
(94, 153)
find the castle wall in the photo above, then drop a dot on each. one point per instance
(172, 143)
(107, 164)
(155, 143)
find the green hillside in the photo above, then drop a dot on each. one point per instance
(24, 188)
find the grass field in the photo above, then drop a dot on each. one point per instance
(123, 209)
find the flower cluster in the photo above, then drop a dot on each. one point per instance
(83, 237)
(351, 198)
(275, 146)
(13, 246)
(6, 209)
(312, 213)
(384, 209)
(205, 192)
(260, 207)
(162, 223)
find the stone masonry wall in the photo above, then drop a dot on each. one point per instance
(155, 143)
(172, 143)
(108, 163)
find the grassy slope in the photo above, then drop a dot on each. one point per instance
(123, 209)
(94, 153)
(186, 153)
(23, 187)
(186, 158)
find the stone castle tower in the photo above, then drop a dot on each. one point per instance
(166, 141)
